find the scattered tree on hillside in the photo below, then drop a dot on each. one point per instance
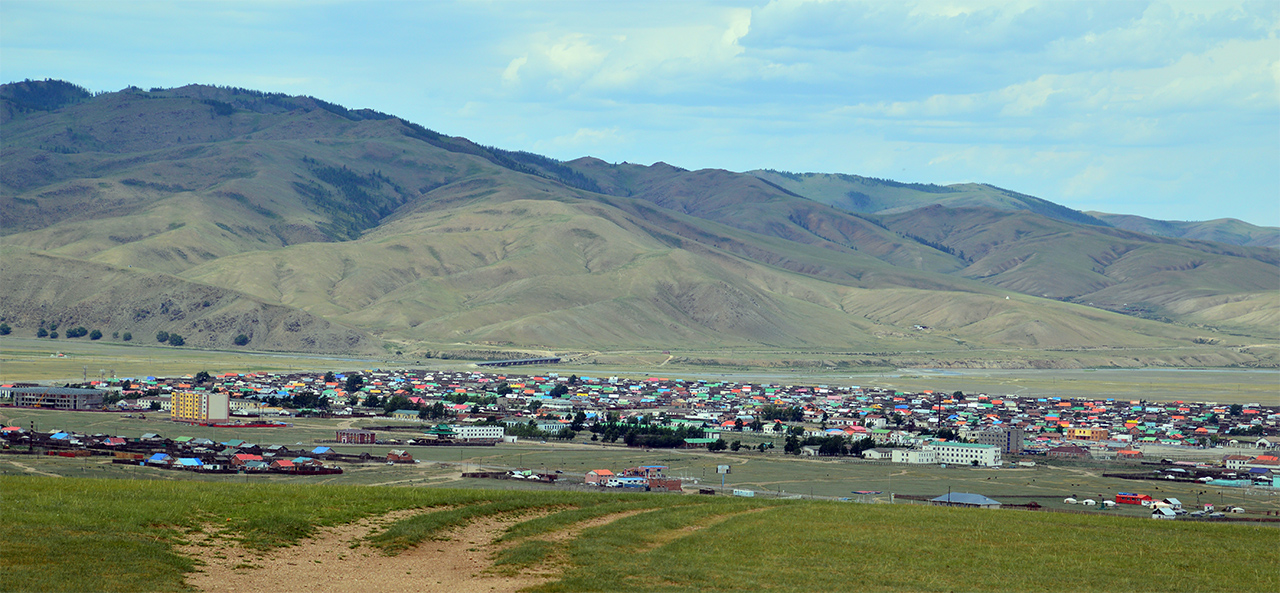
(241, 340)
(95, 335)
(162, 336)
(5, 329)
(126, 336)
(53, 335)
(176, 340)
(77, 332)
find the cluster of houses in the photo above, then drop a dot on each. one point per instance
(929, 427)
(645, 477)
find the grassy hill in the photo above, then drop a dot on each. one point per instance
(125, 535)
(326, 229)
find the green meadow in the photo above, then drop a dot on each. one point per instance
(119, 535)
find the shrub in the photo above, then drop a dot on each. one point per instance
(53, 335)
(126, 336)
(42, 332)
(77, 332)
(241, 340)
(162, 337)
(5, 329)
(176, 340)
(95, 335)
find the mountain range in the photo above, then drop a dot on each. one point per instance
(302, 225)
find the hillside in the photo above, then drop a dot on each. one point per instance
(371, 232)
(1221, 230)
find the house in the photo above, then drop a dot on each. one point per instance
(356, 436)
(399, 456)
(1068, 452)
(405, 415)
(1173, 503)
(599, 477)
(244, 459)
(1163, 513)
(963, 499)
(878, 454)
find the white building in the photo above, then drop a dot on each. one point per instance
(467, 433)
(966, 453)
(920, 456)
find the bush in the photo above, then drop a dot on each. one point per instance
(53, 335)
(95, 335)
(5, 329)
(176, 340)
(126, 336)
(77, 332)
(162, 337)
(241, 340)
(42, 332)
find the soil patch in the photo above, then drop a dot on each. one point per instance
(328, 563)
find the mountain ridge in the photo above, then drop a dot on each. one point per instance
(393, 233)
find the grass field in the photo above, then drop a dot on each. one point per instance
(97, 535)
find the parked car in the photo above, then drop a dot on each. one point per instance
(1197, 514)
(1216, 515)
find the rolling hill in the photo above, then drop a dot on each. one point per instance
(312, 227)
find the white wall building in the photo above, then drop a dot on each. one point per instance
(467, 433)
(921, 456)
(966, 453)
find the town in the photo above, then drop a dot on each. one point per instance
(1229, 446)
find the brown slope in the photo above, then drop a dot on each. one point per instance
(36, 288)
(1109, 268)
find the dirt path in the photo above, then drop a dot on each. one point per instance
(27, 468)
(328, 563)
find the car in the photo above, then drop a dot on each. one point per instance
(1216, 515)
(1197, 514)
(1179, 512)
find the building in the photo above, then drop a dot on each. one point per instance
(58, 398)
(599, 477)
(1087, 434)
(356, 436)
(966, 453)
(964, 499)
(1010, 439)
(919, 456)
(198, 406)
(470, 433)
(1068, 452)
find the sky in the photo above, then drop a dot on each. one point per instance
(1164, 109)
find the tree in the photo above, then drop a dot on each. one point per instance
(734, 446)
(578, 420)
(42, 332)
(559, 390)
(162, 336)
(372, 401)
(719, 445)
(1237, 409)
(77, 332)
(757, 425)
(353, 383)
(595, 437)
(792, 447)
(95, 335)
(115, 335)
(202, 376)
(126, 336)
(737, 425)
(241, 340)
(398, 402)
(176, 340)
(155, 406)
(53, 335)
(5, 329)
(504, 389)
(566, 434)
(329, 378)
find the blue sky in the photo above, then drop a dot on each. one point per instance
(1164, 109)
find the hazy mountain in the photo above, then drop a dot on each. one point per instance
(309, 226)
(1221, 230)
